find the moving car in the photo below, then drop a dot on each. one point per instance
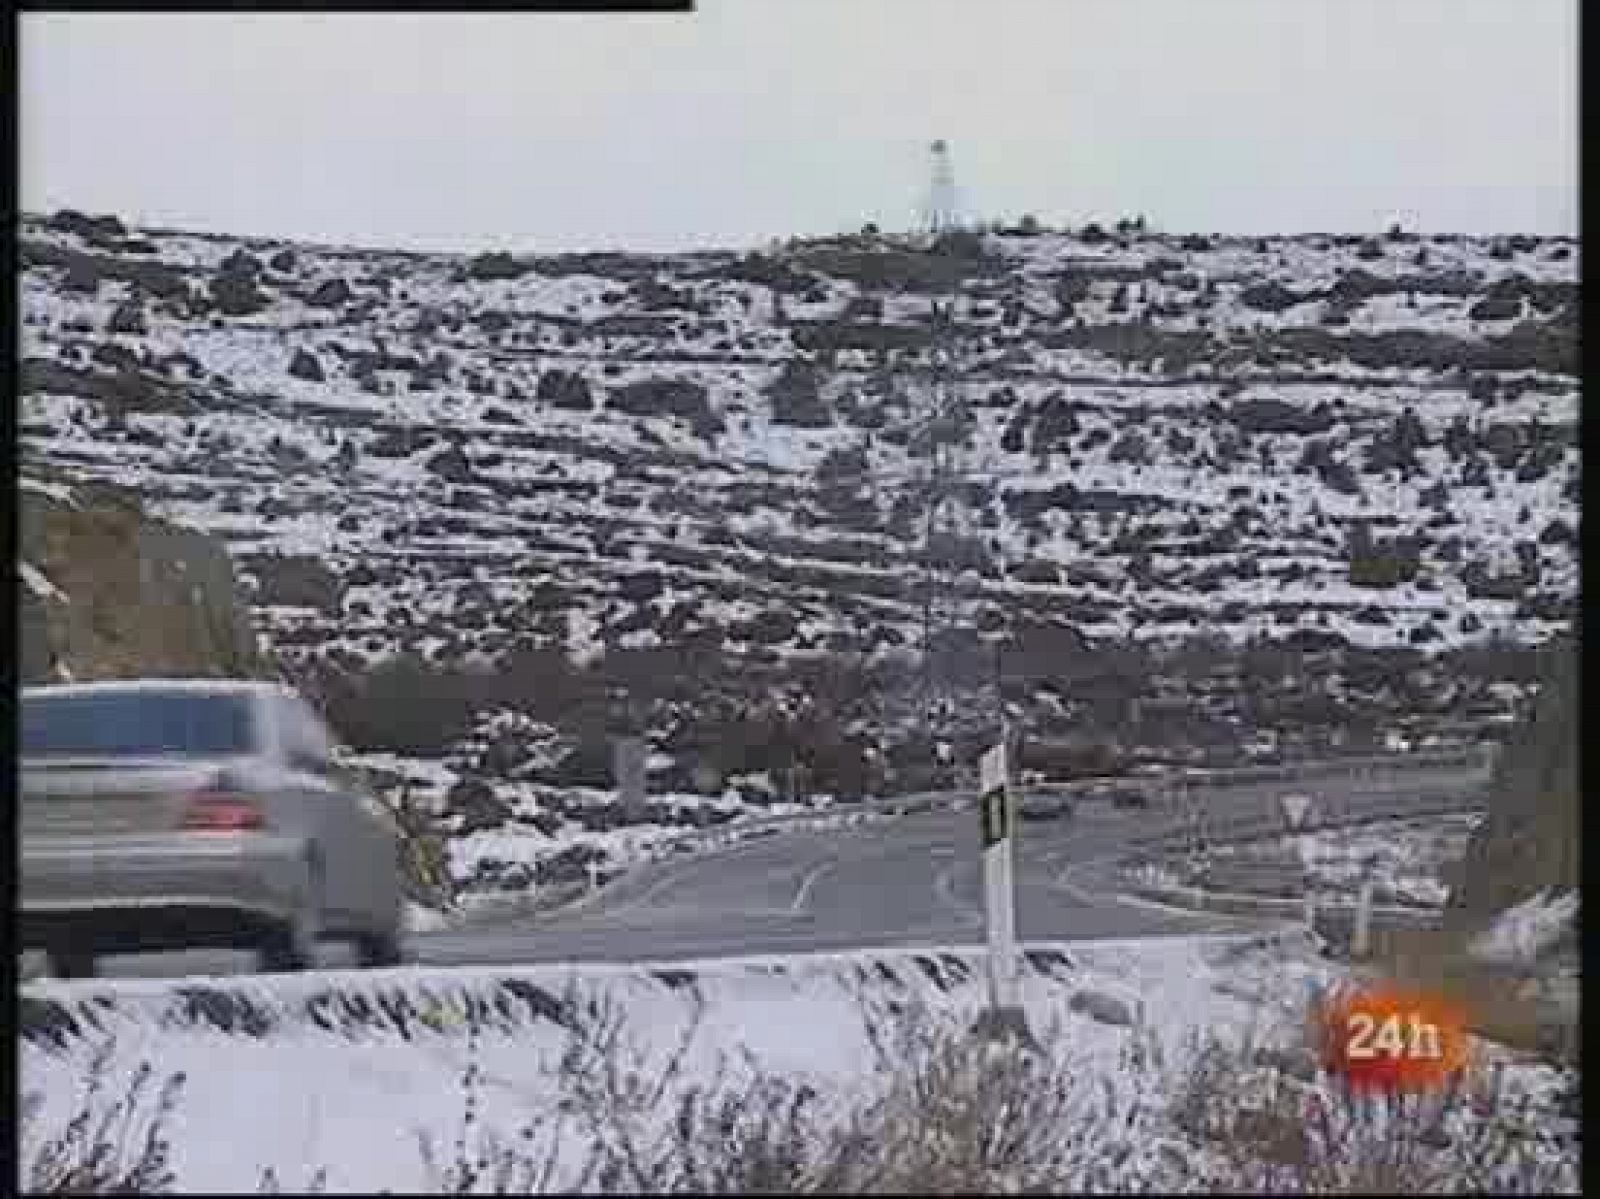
(1124, 795)
(1039, 805)
(167, 814)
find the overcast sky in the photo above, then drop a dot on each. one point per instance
(758, 118)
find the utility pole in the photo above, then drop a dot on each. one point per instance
(940, 433)
(630, 753)
(941, 210)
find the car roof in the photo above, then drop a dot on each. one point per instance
(156, 686)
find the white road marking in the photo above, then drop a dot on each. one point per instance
(944, 892)
(1078, 892)
(809, 881)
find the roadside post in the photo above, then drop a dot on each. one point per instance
(1003, 1018)
(1199, 849)
(1299, 814)
(1361, 936)
(629, 760)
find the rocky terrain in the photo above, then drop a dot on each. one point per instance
(107, 591)
(1531, 840)
(1219, 498)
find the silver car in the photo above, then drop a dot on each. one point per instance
(1045, 805)
(167, 814)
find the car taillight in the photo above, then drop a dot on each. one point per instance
(223, 812)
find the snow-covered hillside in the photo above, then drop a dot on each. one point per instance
(1223, 494)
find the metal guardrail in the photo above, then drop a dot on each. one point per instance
(1242, 828)
(1474, 758)
(1256, 827)
(1334, 917)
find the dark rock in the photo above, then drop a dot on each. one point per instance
(1496, 308)
(1107, 1009)
(1271, 296)
(305, 365)
(496, 265)
(667, 397)
(117, 356)
(797, 398)
(89, 228)
(452, 465)
(82, 277)
(480, 808)
(565, 389)
(1279, 416)
(127, 318)
(300, 582)
(330, 293)
(242, 264)
(400, 442)
(234, 292)
(641, 587)
(1482, 583)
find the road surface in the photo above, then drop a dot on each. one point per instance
(910, 881)
(907, 881)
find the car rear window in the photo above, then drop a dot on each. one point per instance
(135, 723)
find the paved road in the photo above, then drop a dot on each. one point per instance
(909, 881)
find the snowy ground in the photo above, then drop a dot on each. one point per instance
(1521, 933)
(560, 830)
(346, 1071)
(1407, 857)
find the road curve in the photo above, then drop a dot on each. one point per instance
(909, 881)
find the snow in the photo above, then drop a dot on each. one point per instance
(356, 1101)
(255, 364)
(664, 496)
(1408, 856)
(1521, 933)
(303, 1097)
(55, 491)
(39, 584)
(419, 919)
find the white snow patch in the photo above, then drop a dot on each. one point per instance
(1522, 932)
(39, 584)
(304, 1098)
(55, 491)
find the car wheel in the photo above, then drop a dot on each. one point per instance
(284, 950)
(66, 962)
(377, 950)
(291, 947)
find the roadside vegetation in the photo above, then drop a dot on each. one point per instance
(944, 1113)
(1528, 845)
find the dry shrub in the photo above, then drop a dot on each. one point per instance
(1264, 1128)
(944, 1113)
(102, 1152)
(956, 1114)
